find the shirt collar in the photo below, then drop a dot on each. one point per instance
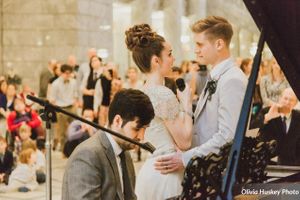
(220, 68)
(288, 116)
(116, 147)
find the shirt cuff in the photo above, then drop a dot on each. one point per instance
(186, 157)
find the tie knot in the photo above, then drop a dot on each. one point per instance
(122, 154)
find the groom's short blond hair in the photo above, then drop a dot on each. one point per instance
(215, 27)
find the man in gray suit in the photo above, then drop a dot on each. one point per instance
(100, 167)
(219, 105)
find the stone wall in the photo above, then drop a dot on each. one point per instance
(35, 31)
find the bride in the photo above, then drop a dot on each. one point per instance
(171, 128)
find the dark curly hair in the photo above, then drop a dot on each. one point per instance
(131, 104)
(144, 43)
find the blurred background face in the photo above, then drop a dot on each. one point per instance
(25, 135)
(3, 87)
(92, 52)
(71, 60)
(131, 130)
(132, 74)
(193, 67)
(57, 71)
(32, 159)
(11, 90)
(26, 88)
(19, 105)
(67, 75)
(95, 62)
(288, 100)
(166, 60)
(52, 63)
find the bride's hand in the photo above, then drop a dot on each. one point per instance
(185, 97)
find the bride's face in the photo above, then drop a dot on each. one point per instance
(166, 60)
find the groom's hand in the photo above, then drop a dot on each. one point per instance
(168, 164)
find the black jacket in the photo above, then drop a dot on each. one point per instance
(288, 144)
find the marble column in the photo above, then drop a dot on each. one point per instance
(197, 9)
(173, 10)
(245, 38)
(121, 54)
(235, 42)
(141, 11)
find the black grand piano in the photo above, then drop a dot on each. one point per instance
(243, 164)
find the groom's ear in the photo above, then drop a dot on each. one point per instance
(220, 44)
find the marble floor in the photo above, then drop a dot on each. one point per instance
(58, 167)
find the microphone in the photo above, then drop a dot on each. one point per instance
(180, 84)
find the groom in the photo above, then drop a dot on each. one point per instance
(219, 105)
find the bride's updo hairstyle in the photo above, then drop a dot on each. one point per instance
(144, 43)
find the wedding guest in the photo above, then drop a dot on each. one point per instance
(78, 132)
(281, 123)
(23, 178)
(272, 85)
(64, 95)
(6, 161)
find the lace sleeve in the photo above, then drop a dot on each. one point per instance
(166, 105)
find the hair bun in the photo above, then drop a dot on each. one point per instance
(139, 36)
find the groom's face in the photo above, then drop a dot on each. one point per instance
(205, 49)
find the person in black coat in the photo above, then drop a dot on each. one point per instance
(6, 161)
(281, 123)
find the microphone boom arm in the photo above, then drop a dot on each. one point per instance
(147, 146)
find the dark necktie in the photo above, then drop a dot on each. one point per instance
(125, 176)
(284, 124)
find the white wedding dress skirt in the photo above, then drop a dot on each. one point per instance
(152, 185)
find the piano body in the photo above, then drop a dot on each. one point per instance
(247, 158)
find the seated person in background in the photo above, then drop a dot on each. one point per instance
(23, 177)
(281, 123)
(26, 90)
(40, 164)
(78, 132)
(23, 115)
(6, 161)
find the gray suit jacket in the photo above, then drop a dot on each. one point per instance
(216, 118)
(92, 172)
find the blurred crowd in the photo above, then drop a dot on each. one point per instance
(87, 89)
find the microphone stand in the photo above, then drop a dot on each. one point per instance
(49, 115)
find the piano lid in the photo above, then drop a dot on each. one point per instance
(281, 21)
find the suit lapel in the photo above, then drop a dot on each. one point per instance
(292, 124)
(201, 103)
(216, 75)
(110, 154)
